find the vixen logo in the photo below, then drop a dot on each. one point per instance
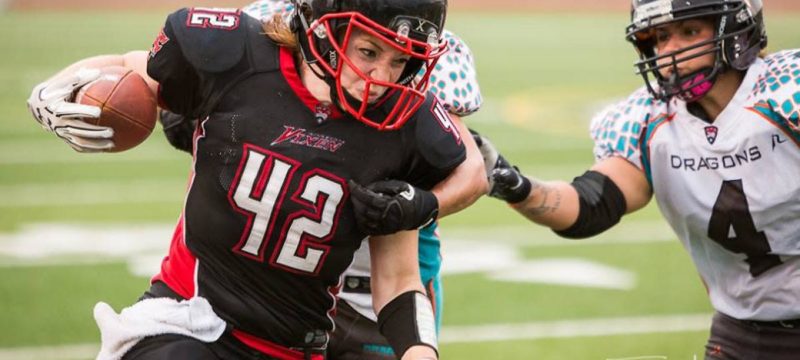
(161, 39)
(300, 136)
(711, 134)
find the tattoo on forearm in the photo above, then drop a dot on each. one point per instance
(546, 205)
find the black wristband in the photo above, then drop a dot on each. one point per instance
(408, 321)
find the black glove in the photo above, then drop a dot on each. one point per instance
(386, 207)
(178, 129)
(506, 182)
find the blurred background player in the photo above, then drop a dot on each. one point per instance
(714, 135)
(252, 272)
(454, 82)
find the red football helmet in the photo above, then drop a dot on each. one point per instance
(412, 27)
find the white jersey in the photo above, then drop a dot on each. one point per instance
(454, 82)
(730, 189)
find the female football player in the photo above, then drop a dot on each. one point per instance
(715, 137)
(357, 335)
(293, 122)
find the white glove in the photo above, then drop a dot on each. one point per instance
(51, 105)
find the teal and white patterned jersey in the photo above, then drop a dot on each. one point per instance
(730, 189)
(454, 81)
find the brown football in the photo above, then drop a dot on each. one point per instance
(127, 105)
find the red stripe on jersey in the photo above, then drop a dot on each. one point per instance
(177, 269)
(179, 266)
(293, 78)
(271, 349)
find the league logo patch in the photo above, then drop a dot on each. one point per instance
(711, 134)
(161, 39)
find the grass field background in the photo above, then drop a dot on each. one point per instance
(542, 75)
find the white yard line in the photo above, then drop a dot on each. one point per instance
(63, 352)
(577, 328)
(460, 334)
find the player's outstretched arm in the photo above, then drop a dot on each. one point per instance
(52, 104)
(589, 205)
(405, 314)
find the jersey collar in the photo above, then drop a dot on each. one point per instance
(292, 77)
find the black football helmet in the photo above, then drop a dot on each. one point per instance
(739, 37)
(414, 27)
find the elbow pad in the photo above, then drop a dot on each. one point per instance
(602, 204)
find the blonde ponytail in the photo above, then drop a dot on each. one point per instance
(278, 30)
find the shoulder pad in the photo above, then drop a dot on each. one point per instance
(617, 129)
(211, 39)
(777, 89)
(454, 79)
(266, 9)
(437, 136)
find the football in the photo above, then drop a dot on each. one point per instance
(127, 105)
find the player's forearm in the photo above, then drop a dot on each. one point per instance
(553, 204)
(394, 269)
(467, 182)
(135, 60)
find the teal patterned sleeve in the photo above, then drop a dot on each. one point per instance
(266, 9)
(777, 91)
(454, 80)
(617, 130)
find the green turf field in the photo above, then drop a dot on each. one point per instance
(542, 77)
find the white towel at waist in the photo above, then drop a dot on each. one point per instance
(120, 332)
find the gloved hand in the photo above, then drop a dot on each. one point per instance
(178, 130)
(386, 207)
(506, 182)
(51, 104)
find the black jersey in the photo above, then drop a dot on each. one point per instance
(268, 226)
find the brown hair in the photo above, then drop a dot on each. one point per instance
(278, 31)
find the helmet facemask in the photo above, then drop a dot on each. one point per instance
(738, 38)
(328, 38)
(687, 87)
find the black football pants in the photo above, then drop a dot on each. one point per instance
(733, 339)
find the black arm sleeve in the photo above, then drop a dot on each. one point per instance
(437, 149)
(602, 205)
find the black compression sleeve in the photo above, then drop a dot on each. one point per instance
(602, 204)
(408, 320)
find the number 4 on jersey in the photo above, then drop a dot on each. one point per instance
(732, 211)
(259, 190)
